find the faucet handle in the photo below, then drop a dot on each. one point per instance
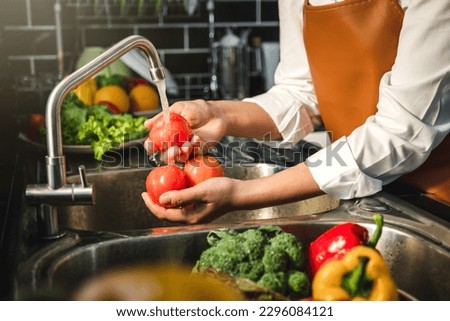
(83, 178)
(69, 194)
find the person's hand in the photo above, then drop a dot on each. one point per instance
(206, 123)
(201, 203)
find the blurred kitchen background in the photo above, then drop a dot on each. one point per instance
(42, 40)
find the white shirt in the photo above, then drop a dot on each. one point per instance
(413, 114)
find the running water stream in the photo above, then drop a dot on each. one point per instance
(161, 85)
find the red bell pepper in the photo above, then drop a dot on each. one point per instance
(338, 240)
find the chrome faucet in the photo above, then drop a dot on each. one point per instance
(57, 191)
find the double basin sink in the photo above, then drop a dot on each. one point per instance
(120, 231)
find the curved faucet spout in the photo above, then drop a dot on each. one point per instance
(57, 192)
(55, 159)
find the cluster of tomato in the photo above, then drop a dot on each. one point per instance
(172, 176)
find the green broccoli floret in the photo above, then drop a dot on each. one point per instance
(275, 281)
(298, 283)
(214, 237)
(251, 270)
(270, 230)
(274, 259)
(253, 242)
(268, 256)
(292, 246)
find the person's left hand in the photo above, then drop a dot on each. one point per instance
(201, 203)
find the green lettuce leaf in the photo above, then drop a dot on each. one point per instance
(97, 126)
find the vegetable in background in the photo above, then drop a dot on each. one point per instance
(33, 126)
(114, 97)
(86, 91)
(140, 6)
(111, 80)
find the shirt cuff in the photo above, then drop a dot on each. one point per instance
(336, 172)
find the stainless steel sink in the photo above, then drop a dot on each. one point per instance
(419, 262)
(119, 205)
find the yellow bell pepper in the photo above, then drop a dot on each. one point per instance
(86, 91)
(361, 274)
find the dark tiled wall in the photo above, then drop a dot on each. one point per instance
(29, 38)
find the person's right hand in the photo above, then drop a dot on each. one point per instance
(206, 123)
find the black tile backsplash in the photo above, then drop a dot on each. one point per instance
(105, 37)
(164, 37)
(190, 64)
(269, 11)
(30, 42)
(19, 67)
(198, 38)
(266, 33)
(29, 39)
(40, 10)
(235, 11)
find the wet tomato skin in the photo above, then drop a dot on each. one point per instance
(164, 136)
(201, 168)
(163, 179)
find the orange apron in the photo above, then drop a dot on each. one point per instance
(350, 45)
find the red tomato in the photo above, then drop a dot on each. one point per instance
(33, 127)
(201, 168)
(163, 179)
(165, 136)
(133, 82)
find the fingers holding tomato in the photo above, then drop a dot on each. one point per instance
(168, 178)
(201, 203)
(175, 153)
(177, 206)
(171, 177)
(164, 136)
(175, 142)
(163, 179)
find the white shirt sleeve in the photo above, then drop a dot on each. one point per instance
(413, 114)
(292, 98)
